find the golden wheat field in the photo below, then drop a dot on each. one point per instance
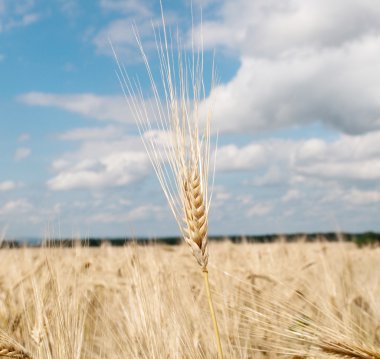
(281, 300)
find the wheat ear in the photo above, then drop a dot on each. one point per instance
(195, 221)
(177, 142)
(10, 351)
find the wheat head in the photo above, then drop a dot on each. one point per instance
(177, 140)
(195, 221)
(10, 351)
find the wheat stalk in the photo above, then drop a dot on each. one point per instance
(346, 350)
(182, 161)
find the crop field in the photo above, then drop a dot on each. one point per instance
(280, 300)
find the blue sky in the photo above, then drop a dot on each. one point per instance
(297, 109)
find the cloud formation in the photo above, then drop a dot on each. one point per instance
(346, 158)
(136, 7)
(134, 16)
(336, 87)
(24, 137)
(269, 28)
(17, 206)
(304, 184)
(140, 213)
(106, 108)
(301, 62)
(15, 14)
(7, 185)
(95, 133)
(22, 153)
(99, 163)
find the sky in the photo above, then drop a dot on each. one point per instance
(296, 109)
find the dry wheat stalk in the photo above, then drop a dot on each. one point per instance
(346, 350)
(177, 141)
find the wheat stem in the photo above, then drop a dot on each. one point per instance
(213, 316)
(348, 350)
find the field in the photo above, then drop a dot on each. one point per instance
(290, 300)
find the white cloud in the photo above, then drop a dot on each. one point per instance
(301, 62)
(345, 158)
(24, 137)
(266, 28)
(140, 213)
(232, 158)
(22, 153)
(114, 108)
(353, 196)
(360, 170)
(122, 35)
(93, 133)
(144, 212)
(16, 206)
(245, 199)
(291, 195)
(336, 87)
(259, 209)
(114, 169)
(360, 197)
(7, 185)
(349, 157)
(2, 57)
(15, 14)
(263, 154)
(273, 176)
(101, 163)
(220, 196)
(137, 18)
(70, 8)
(135, 7)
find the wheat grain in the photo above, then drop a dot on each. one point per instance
(195, 221)
(10, 351)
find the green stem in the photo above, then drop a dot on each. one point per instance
(212, 312)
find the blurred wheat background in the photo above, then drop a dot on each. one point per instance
(290, 300)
